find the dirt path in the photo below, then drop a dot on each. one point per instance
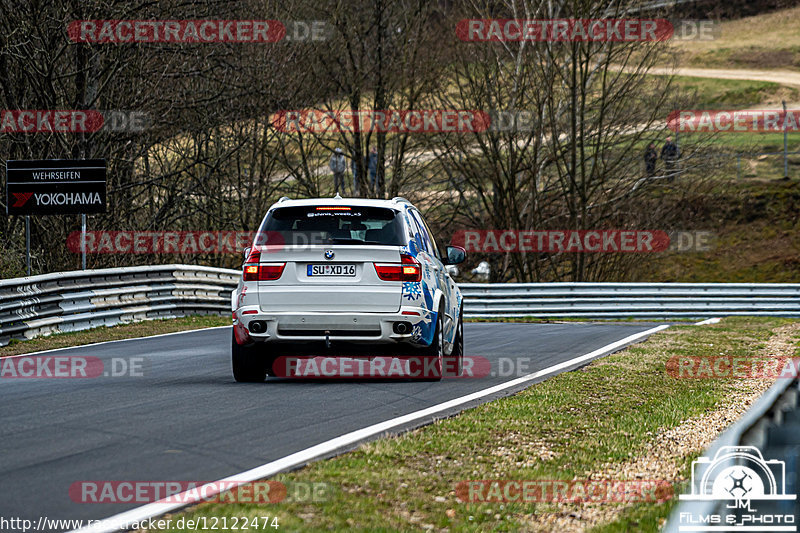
(784, 77)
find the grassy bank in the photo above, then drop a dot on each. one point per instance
(755, 224)
(764, 42)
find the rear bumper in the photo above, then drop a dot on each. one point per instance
(371, 328)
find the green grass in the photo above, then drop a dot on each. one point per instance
(713, 93)
(563, 428)
(123, 331)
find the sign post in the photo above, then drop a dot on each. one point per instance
(27, 243)
(56, 187)
(83, 241)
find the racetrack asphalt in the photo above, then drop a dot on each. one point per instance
(184, 418)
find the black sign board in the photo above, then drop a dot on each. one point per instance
(56, 187)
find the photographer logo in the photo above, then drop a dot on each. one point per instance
(750, 493)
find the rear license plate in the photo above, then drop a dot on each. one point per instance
(339, 269)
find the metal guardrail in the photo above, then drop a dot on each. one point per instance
(630, 300)
(71, 301)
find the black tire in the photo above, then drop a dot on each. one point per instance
(268, 361)
(248, 367)
(458, 348)
(436, 349)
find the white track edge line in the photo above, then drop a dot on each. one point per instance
(123, 520)
(109, 342)
(707, 321)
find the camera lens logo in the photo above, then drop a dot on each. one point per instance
(737, 473)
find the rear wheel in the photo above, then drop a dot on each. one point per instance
(456, 357)
(433, 372)
(248, 367)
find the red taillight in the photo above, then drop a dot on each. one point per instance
(250, 273)
(389, 272)
(407, 270)
(270, 271)
(412, 270)
(255, 271)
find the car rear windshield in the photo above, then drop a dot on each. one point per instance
(322, 224)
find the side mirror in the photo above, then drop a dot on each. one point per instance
(455, 255)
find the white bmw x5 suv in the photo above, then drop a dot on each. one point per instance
(329, 276)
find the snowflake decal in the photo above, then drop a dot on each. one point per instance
(411, 290)
(416, 333)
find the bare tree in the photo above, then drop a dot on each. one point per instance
(564, 152)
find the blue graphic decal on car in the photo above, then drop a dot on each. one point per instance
(412, 290)
(428, 294)
(413, 249)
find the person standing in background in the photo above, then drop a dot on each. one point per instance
(338, 166)
(669, 154)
